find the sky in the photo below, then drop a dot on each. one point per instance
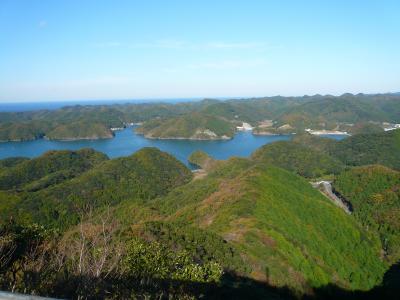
(72, 50)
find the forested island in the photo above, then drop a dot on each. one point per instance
(208, 119)
(78, 224)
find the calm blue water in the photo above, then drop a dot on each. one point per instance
(127, 142)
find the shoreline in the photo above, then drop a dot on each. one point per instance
(187, 138)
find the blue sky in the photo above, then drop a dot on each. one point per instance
(61, 50)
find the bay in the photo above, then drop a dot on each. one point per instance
(127, 142)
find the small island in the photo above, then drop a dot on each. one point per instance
(191, 126)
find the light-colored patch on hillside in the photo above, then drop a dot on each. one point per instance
(238, 228)
(228, 191)
(199, 174)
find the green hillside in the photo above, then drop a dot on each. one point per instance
(80, 130)
(297, 158)
(11, 161)
(364, 149)
(144, 175)
(48, 169)
(281, 226)
(328, 111)
(374, 192)
(188, 126)
(361, 149)
(141, 226)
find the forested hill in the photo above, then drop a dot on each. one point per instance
(347, 112)
(194, 126)
(361, 149)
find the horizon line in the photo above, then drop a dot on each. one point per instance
(189, 98)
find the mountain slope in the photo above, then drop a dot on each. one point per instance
(361, 149)
(297, 158)
(282, 227)
(364, 149)
(144, 175)
(81, 130)
(374, 192)
(51, 168)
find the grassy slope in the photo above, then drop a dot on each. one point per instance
(287, 232)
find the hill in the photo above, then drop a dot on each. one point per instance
(280, 225)
(361, 149)
(144, 175)
(327, 112)
(374, 192)
(94, 121)
(49, 169)
(81, 130)
(139, 226)
(195, 126)
(364, 149)
(297, 158)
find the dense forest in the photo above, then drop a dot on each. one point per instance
(206, 119)
(76, 224)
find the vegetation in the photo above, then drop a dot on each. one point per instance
(374, 192)
(49, 169)
(202, 160)
(80, 130)
(364, 149)
(361, 149)
(296, 113)
(270, 215)
(297, 158)
(144, 175)
(75, 224)
(196, 126)
(11, 161)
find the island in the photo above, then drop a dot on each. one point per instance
(191, 126)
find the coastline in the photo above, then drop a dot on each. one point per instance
(226, 138)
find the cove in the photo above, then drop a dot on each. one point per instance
(127, 142)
